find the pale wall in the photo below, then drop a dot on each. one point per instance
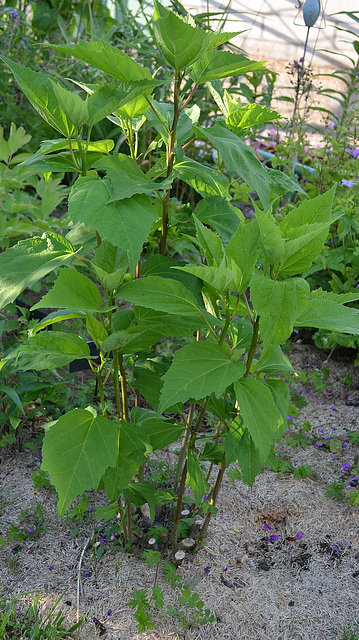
(273, 34)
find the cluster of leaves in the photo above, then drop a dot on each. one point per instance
(191, 611)
(232, 308)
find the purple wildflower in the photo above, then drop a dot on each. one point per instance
(331, 125)
(300, 535)
(31, 530)
(347, 183)
(348, 150)
(13, 14)
(109, 612)
(273, 538)
(322, 431)
(51, 568)
(344, 445)
(88, 574)
(335, 548)
(327, 437)
(207, 570)
(346, 465)
(104, 540)
(267, 527)
(319, 444)
(355, 153)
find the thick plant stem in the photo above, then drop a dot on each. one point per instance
(252, 348)
(170, 161)
(116, 382)
(178, 507)
(101, 392)
(184, 445)
(123, 520)
(123, 388)
(216, 489)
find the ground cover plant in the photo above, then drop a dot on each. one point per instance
(220, 388)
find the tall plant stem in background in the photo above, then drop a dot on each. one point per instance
(216, 489)
(123, 388)
(170, 161)
(184, 445)
(116, 382)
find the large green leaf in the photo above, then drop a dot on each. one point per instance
(49, 351)
(314, 211)
(38, 88)
(272, 243)
(180, 41)
(29, 261)
(302, 249)
(126, 177)
(77, 449)
(196, 478)
(329, 315)
(249, 458)
(281, 396)
(132, 446)
(222, 64)
(278, 305)
(125, 223)
(160, 433)
(197, 370)
(107, 58)
(220, 215)
(75, 109)
(249, 116)
(135, 339)
(72, 290)
(259, 412)
(205, 180)
(240, 158)
(232, 440)
(209, 242)
(49, 146)
(220, 278)
(161, 294)
(242, 253)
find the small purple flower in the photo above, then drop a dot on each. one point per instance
(109, 612)
(104, 540)
(301, 59)
(289, 417)
(31, 530)
(51, 568)
(207, 570)
(306, 148)
(334, 456)
(344, 445)
(88, 574)
(348, 150)
(327, 437)
(319, 444)
(13, 14)
(331, 125)
(267, 527)
(273, 538)
(90, 509)
(300, 535)
(346, 465)
(347, 183)
(335, 548)
(321, 431)
(355, 153)
(225, 568)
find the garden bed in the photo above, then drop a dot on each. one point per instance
(281, 559)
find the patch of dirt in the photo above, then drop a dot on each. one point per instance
(281, 559)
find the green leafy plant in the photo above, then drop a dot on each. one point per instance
(117, 270)
(31, 625)
(336, 489)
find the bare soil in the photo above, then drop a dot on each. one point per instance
(303, 585)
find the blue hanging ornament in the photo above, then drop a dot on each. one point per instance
(311, 11)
